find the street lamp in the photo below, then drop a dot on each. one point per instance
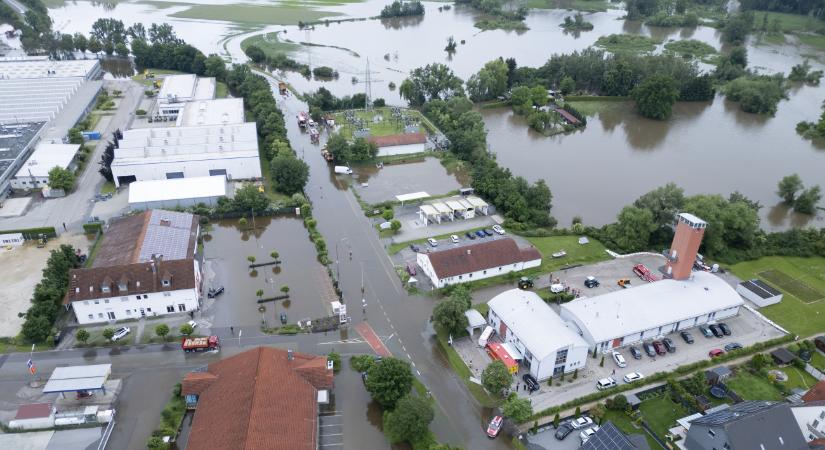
(337, 259)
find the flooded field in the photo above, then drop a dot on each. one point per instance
(227, 248)
(422, 174)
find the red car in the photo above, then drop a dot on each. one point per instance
(716, 352)
(495, 426)
(660, 348)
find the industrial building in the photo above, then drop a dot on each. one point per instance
(35, 171)
(177, 90)
(17, 142)
(181, 192)
(450, 209)
(227, 148)
(760, 293)
(400, 144)
(476, 261)
(543, 342)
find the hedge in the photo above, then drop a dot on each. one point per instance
(92, 228)
(33, 233)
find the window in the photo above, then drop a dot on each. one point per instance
(99, 315)
(111, 315)
(91, 316)
(181, 307)
(816, 423)
(712, 433)
(97, 302)
(459, 277)
(485, 272)
(137, 297)
(167, 294)
(145, 296)
(148, 309)
(561, 357)
(85, 303)
(166, 283)
(106, 301)
(170, 308)
(471, 275)
(128, 312)
(124, 299)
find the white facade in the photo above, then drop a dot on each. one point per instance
(548, 345)
(35, 171)
(426, 266)
(177, 192)
(652, 310)
(118, 307)
(811, 420)
(405, 149)
(13, 239)
(761, 297)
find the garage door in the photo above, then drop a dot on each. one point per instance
(217, 172)
(173, 175)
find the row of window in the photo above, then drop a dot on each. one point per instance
(484, 272)
(124, 299)
(111, 315)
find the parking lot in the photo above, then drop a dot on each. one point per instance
(545, 439)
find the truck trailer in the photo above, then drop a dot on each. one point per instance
(200, 344)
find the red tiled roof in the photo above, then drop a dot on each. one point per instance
(567, 116)
(196, 382)
(398, 139)
(33, 411)
(481, 256)
(259, 400)
(139, 276)
(815, 393)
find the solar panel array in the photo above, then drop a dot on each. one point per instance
(608, 437)
(168, 233)
(733, 413)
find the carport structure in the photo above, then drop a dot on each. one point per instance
(479, 205)
(475, 321)
(78, 379)
(411, 197)
(445, 211)
(459, 210)
(427, 213)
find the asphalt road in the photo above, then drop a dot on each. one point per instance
(17, 6)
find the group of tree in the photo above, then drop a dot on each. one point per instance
(815, 8)
(813, 130)
(668, 13)
(323, 100)
(358, 150)
(276, 61)
(489, 82)
(48, 294)
(498, 8)
(448, 314)
(759, 94)
(802, 73)
(431, 82)
(402, 9)
(793, 193)
(576, 23)
(736, 27)
(60, 178)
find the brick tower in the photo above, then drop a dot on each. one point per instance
(686, 241)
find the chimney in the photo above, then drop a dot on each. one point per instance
(289, 356)
(152, 263)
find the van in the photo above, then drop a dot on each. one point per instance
(605, 383)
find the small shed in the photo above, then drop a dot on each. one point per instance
(476, 321)
(717, 375)
(428, 214)
(759, 292)
(783, 356)
(633, 401)
(819, 342)
(469, 209)
(458, 209)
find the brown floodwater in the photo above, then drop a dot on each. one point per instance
(227, 247)
(419, 174)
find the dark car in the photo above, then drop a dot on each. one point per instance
(59, 336)
(530, 381)
(563, 430)
(669, 345)
(637, 354)
(487, 232)
(649, 349)
(591, 282)
(660, 348)
(724, 328)
(470, 236)
(480, 234)
(804, 354)
(283, 318)
(414, 248)
(705, 331)
(733, 346)
(716, 331)
(687, 337)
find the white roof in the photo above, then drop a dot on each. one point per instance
(45, 157)
(692, 219)
(147, 145)
(224, 111)
(442, 208)
(77, 378)
(44, 68)
(428, 210)
(535, 324)
(178, 87)
(411, 196)
(651, 305)
(456, 206)
(465, 203)
(477, 202)
(205, 89)
(475, 318)
(176, 189)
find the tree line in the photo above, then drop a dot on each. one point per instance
(402, 9)
(276, 61)
(815, 8)
(49, 293)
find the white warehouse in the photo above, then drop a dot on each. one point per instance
(35, 172)
(548, 345)
(177, 90)
(652, 310)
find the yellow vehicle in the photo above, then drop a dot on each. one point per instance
(624, 282)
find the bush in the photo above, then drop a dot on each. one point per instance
(140, 112)
(362, 363)
(92, 228)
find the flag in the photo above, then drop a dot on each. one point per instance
(30, 365)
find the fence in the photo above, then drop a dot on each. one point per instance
(814, 372)
(107, 433)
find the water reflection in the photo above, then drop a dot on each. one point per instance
(782, 215)
(414, 175)
(118, 67)
(397, 23)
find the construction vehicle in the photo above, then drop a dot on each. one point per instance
(200, 344)
(282, 88)
(644, 273)
(41, 240)
(624, 282)
(525, 283)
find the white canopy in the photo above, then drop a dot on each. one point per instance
(78, 378)
(412, 196)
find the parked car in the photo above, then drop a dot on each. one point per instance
(531, 382)
(470, 236)
(591, 282)
(705, 331)
(283, 319)
(716, 352)
(585, 435)
(649, 349)
(660, 348)
(480, 234)
(669, 345)
(633, 376)
(716, 331)
(415, 248)
(454, 239)
(733, 346)
(121, 333)
(192, 324)
(637, 354)
(494, 426)
(487, 232)
(605, 383)
(619, 359)
(687, 337)
(411, 269)
(563, 430)
(724, 328)
(498, 229)
(581, 422)
(432, 242)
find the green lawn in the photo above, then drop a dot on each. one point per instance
(577, 5)
(818, 361)
(691, 47)
(631, 43)
(221, 90)
(753, 387)
(804, 319)
(816, 41)
(661, 414)
(591, 108)
(798, 378)
(576, 253)
(276, 14)
(483, 308)
(270, 44)
(107, 188)
(791, 23)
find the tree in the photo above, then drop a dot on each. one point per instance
(517, 409)
(251, 259)
(496, 377)
(696, 383)
(788, 187)
(137, 31)
(289, 174)
(121, 49)
(95, 46)
(567, 85)
(395, 225)
(617, 403)
(336, 361)
(215, 66)
(285, 289)
(433, 81)
(60, 178)
(598, 411)
(388, 214)
(449, 315)
(82, 335)
(108, 333)
(388, 381)
(490, 82)
(410, 420)
(259, 293)
(807, 201)
(663, 202)
(655, 96)
(578, 412)
(80, 42)
(186, 329)
(601, 363)
(162, 330)
(274, 255)
(249, 198)
(556, 420)
(737, 27)
(632, 229)
(451, 45)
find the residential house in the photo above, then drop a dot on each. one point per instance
(810, 417)
(750, 425)
(608, 437)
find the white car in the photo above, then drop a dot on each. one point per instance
(581, 422)
(498, 229)
(619, 359)
(633, 376)
(120, 333)
(192, 324)
(586, 434)
(454, 238)
(432, 242)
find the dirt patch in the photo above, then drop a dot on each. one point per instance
(792, 286)
(22, 270)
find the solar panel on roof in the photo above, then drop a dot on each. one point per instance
(734, 412)
(766, 287)
(608, 437)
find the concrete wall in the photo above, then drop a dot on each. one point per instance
(129, 306)
(32, 424)
(402, 149)
(29, 182)
(424, 262)
(237, 168)
(168, 204)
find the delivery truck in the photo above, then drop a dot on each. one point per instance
(200, 344)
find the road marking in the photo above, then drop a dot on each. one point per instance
(409, 357)
(418, 372)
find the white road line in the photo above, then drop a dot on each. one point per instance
(418, 372)
(409, 357)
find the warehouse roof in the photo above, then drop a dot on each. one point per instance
(177, 188)
(186, 87)
(78, 378)
(648, 306)
(537, 326)
(46, 157)
(44, 68)
(212, 112)
(481, 256)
